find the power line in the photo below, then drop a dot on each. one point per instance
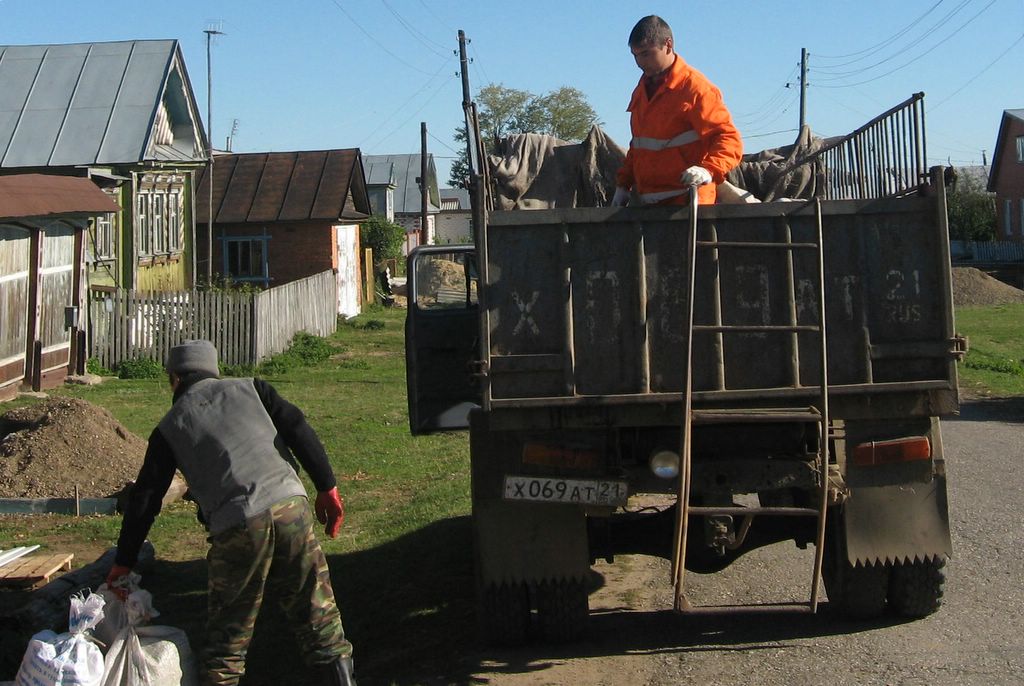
(878, 46)
(375, 41)
(771, 103)
(973, 78)
(907, 63)
(418, 35)
(426, 84)
(444, 145)
(426, 102)
(923, 54)
(836, 74)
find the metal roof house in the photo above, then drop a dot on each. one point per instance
(398, 177)
(1006, 179)
(283, 216)
(124, 114)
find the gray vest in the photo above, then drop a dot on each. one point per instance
(227, 447)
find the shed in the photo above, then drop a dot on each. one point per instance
(43, 223)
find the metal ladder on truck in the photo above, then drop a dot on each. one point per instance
(818, 415)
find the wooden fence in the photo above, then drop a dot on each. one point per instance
(246, 327)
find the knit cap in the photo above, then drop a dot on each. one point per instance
(193, 356)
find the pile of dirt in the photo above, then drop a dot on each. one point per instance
(48, 448)
(974, 287)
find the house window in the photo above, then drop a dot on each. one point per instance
(1020, 148)
(1022, 216)
(159, 204)
(103, 236)
(246, 258)
(1008, 217)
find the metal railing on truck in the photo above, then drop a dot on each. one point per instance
(885, 157)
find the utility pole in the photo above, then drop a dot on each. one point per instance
(424, 187)
(803, 88)
(984, 158)
(210, 33)
(464, 69)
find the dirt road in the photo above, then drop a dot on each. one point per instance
(976, 638)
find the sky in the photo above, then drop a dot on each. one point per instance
(322, 74)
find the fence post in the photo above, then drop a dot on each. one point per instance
(369, 276)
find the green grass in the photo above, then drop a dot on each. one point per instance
(994, 364)
(401, 564)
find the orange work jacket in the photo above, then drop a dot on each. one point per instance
(684, 124)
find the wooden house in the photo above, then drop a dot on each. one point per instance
(43, 225)
(1006, 178)
(282, 216)
(123, 114)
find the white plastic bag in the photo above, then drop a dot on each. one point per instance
(68, 659)
(148, 655)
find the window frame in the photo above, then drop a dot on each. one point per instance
(230, 242)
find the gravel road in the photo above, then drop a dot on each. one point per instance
(977, 637)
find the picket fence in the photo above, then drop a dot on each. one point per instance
(246, 327)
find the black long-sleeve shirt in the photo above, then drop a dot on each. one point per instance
(159, 466)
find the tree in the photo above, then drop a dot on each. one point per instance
(563, 113)
(382, 236)
(971, 210)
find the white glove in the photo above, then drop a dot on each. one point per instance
(621, 197)
(695, 176)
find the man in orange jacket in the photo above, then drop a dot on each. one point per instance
(682, 133)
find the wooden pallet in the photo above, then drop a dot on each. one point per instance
(33, 570)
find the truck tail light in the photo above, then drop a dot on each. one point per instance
(897, 450)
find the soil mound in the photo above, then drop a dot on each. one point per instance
(48, 448)
(974, 287)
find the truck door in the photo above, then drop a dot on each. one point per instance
(442, 331)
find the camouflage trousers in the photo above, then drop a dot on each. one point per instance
(275, 555)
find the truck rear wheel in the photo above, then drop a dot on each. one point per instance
(857, 591)
(505, 613)
(916, 588)
(562, 610)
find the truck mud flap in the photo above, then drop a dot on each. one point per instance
(529, 542)
(898, 522)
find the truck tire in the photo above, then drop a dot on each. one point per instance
(856, 591)
(562, 610)
(505, 613)
(916, 588)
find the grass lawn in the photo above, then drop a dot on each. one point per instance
(402, 565)
(994, 365)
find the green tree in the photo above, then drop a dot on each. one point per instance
(971, 210)
(563, 113)
(382, 236)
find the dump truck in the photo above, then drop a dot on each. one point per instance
(696, 382)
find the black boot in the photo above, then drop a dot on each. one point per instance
(339, 673)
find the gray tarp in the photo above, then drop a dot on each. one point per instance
(536, 171)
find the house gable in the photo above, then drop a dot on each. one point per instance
(1004, 160)
(94, 104)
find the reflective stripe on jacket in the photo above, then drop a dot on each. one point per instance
(685, 124)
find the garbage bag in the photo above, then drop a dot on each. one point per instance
(142, 655)
(66, 659)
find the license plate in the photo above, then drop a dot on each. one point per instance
(577, 491)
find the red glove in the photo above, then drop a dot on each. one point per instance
(117, 580)
(330, 511)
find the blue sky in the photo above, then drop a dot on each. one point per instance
(315, 74)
